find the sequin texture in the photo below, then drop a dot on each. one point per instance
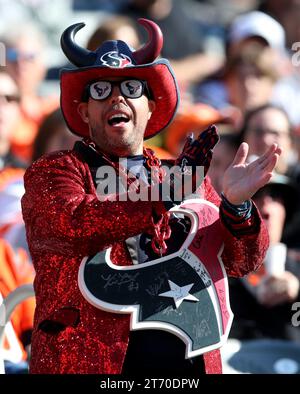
(65, 222)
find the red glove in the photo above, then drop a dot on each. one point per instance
(193, 164)
(199, 152)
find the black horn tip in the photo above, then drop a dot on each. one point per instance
(71, 31)
(75, 27)
(78, 26)
(77, 55)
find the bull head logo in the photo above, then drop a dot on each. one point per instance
(185, 293)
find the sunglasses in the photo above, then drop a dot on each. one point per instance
(130, 88)
(10, 98)
(261, 131)
(13, 55)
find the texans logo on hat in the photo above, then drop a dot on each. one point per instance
(114, 59)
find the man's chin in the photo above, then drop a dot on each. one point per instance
(119, 148)
(121, 142)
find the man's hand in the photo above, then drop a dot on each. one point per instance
(242, 180)
(198, 152)
(188, 175)
(278, 290)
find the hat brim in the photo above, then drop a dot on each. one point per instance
(158, 75)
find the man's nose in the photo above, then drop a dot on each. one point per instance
(116, 95)
(269, 138)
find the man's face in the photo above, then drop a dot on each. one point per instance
(117, 124)
(273, 212)
(265, 128)
(248, 87)
(9, 106)
(25, 64)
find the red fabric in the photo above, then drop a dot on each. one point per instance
(65, 222)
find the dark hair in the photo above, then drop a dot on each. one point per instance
(260, 59)
(49, 127)
(105, 31)
(288, 192)
(249, 114)
(230, 139)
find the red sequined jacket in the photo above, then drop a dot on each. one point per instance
(66, 222)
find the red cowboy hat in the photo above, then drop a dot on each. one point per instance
(117, 59)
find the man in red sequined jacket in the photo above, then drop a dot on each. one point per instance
(114, 99)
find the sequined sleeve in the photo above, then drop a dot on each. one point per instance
(61, 210)
(244, 250)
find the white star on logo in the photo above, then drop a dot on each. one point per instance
(179, 294)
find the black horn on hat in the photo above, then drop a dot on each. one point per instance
(77, 55)
(150, 51)
(82, 57)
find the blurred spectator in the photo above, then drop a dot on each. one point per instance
(291, 234)
(24, 62)
(171, 17)
(275, 8)
(15, 270)
(266, 33)
(233, 7)
(265, 125)
(183, 41)
(248, 80)
(224, 153)
(250, 77)
(294, 171)
(190, 119)
(52, 135)
(96, 5)
(11, 191)
(287, 12)
(9, 115)
(256, 27)
(115, 28)
(261, 302)
(289, 18)
(11, 168)
(286, 92)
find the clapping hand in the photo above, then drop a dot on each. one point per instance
(242, 180)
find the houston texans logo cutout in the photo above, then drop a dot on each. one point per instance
(184, 293)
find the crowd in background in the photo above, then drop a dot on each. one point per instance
(237, 67)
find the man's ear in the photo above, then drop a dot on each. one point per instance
(83, 112)
(152, 105)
